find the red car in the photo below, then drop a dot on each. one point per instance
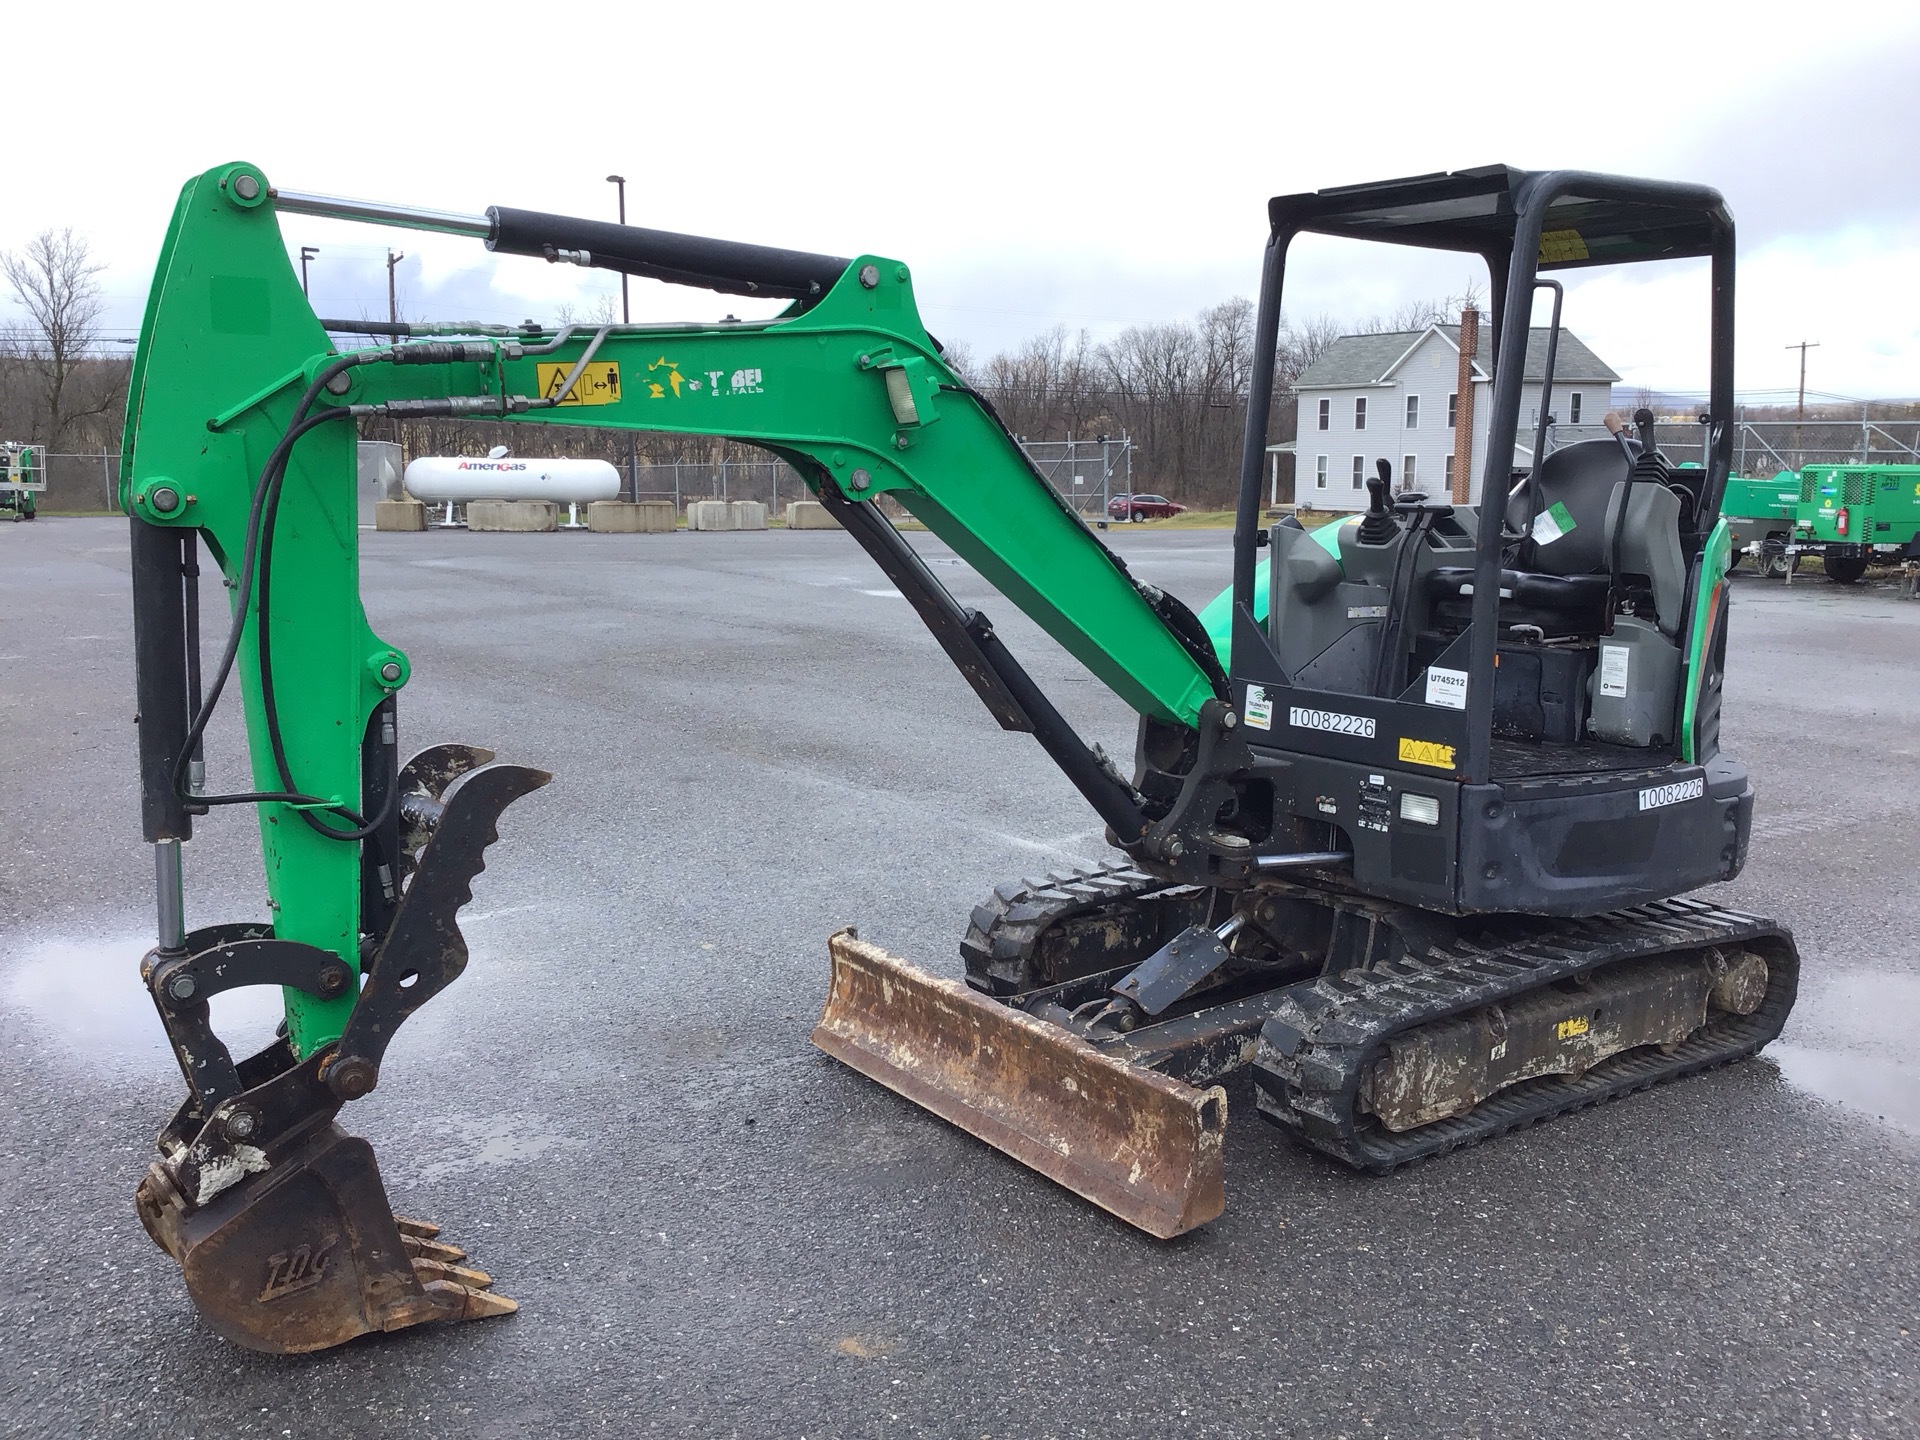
(1142, 507)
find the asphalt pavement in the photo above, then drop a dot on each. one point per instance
(714, 1230)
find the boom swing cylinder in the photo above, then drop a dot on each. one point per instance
(1263, 865)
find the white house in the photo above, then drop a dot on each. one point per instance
(1397, 397)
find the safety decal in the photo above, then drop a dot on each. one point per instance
(599, 382)
(1657, 796)
(1560, 245)
(1553, 522)
(1259, 708)
(1615, 662)
(1332, 721)
(1426, 752)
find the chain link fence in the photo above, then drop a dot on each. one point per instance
(81, 484)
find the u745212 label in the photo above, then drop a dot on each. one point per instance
(1659, 795)
(1332, 721)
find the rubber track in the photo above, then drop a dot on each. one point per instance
(1002, 932)
(1343, 1020)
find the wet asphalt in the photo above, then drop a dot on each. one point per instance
(715, 1230)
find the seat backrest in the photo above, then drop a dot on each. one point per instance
(1650, 545)
(1581, 478)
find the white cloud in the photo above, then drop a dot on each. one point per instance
(1091, 164)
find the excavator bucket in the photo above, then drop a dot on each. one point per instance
(1143, 1146)
(306, 1253)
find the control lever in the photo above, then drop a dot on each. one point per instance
(1377, 526)
(1617, 428)
(1643, 418)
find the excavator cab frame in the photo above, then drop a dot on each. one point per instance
(1412, 757)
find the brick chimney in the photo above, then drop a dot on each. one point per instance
(1463, 407)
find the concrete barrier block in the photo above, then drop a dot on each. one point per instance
(399, 515)
(618, 517)
(514, 515)
(810, 515)
(709, 515)
(749, 515)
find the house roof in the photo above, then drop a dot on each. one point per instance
(1371, 359)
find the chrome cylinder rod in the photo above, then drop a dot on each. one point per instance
(373, 212)
(1304, 860)
(169, 898)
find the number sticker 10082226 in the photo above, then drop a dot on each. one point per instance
(1332, 721)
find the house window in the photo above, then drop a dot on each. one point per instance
(1447, 473)
(1320, 469)
(1413, 412)
(1326, 414)
(1406, 471)
(1360, 470)
(1360, 413)
(1453, 411)
(1573, 408)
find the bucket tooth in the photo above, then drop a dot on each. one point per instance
(1140, 1145)
(463, 1302)
(422, 1229)
(428, 1270)
(438, 1250)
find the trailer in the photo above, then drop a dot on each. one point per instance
(1760, 514)
(23, 477)
(1856, 515)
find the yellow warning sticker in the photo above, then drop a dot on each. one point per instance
(1567, 1029)
(599, 383)
(1562, 245)
(1426, 752)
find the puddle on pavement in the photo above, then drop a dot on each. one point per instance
(86, 997)
(496, 1140)
(1853, 1041)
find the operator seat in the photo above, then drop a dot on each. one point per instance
(1564, 585)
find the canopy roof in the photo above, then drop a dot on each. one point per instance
(1591, 219)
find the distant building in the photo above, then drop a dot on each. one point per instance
(1405, 397)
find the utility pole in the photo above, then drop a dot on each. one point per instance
(619, 182)
(393, 304)
(1800, 411)
(307, 252)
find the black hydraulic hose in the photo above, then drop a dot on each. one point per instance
(267, 485)
(263, 647)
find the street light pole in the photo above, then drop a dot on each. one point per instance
(619, 182)
(393, 304)
(307, 252)
(1800, 411)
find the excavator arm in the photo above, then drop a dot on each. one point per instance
(240, 438)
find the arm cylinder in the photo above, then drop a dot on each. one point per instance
(728, 266)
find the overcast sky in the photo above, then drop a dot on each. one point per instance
(1092, 165)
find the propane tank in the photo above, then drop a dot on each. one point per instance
(502, 476)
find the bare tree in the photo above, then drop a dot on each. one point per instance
(1302, 344)
(53, 281)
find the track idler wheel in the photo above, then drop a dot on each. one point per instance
(307, 1253)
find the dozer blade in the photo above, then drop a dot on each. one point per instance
(1134, 1142)
(305, 1253)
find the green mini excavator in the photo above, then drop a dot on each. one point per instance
(1407, 832)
